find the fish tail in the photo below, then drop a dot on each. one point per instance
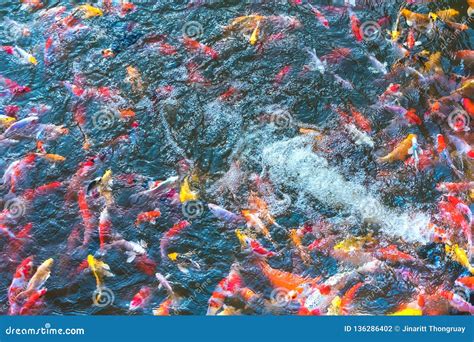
(470, 11)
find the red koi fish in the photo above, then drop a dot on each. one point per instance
(393, 254)
(140, 299)
(176, 229)
(355, 26)
(282, 74)
(360, 120)
(86, 216)
(195, 46)
(20, 280)
(227, 287)
(147, 216)
(194, 75)
(322, 19)
(33, 302)
(348, 298)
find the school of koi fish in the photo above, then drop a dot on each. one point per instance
(237, 158)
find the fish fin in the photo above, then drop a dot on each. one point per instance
(131, 256)
(183, 269)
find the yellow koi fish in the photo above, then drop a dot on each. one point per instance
(460, 256)
(185, 193)
(90, 11)
(254, 37)
(400, 152)
(407, 312)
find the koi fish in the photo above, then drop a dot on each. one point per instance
(134, 78)
(165, 240)
(401, 151)
(253, 245)
(185, 193)
(459, 255)
(38, 279)
(360, 120)
(254, 37)
(33, 302)
(148, 216)
(164, 308)
(100, 270)
(455, 187)
(296, 239)
(226, 288)
(105, 228)
(253, 220)
(86, 216)
(282, 74)
(23, 56)
(355, 25)
(20, 280)
(194, 45)
(407, 312)
(140, 299)
(322, 19)
(348, 298)
(282, 279)
(223, 214)
(468, 282)
(89, 11)
(393, 254)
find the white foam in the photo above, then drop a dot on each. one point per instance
(293, 164)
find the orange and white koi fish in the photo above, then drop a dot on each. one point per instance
(134, 78)
(296, 239)
(253, 220)
(148, 216)
(226, 288)
(164, 308)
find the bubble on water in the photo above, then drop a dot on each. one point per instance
(293, 164)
